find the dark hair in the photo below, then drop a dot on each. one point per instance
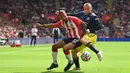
(61, 11)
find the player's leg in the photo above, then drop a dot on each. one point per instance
(55, 48)
(53, 40)
(57, 38)
(78, 48)
(66, 48)
(34, 40)
(75, 59)
(31, 40)
(86, 40)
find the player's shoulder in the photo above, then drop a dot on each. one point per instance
(93, 14)
(81, 13)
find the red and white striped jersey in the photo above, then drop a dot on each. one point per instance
(72, 27)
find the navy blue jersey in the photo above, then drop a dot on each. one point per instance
(93, 22)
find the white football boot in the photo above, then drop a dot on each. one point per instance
(99, 55)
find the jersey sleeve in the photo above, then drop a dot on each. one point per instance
(79, 14)
(58, 24)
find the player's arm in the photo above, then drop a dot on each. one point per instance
(51, 25)
(79, 14)
(47, 25)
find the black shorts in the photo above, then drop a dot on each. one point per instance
(75, 41)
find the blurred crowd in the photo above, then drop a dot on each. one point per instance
(19, 15)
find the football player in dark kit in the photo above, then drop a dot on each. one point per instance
(92, 25)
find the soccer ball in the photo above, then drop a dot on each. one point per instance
(85, 56)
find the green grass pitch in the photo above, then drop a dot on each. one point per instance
(26, 59)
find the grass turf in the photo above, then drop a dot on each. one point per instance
(26, 59)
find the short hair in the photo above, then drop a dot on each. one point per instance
(88, 4)
(62, 8)
(62, 11)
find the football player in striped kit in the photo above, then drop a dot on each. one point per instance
(75, 29)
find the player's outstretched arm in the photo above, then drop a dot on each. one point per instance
(46, 25)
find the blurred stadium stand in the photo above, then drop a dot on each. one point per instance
(19, 15)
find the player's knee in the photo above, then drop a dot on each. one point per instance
(66, 52)
(64, 49)
(54, 48)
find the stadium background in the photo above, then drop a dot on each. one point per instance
(18, 16)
